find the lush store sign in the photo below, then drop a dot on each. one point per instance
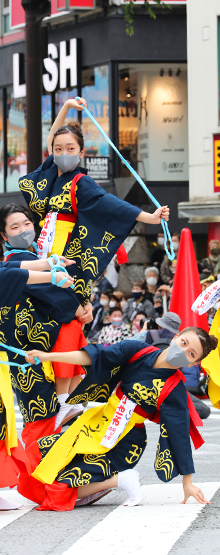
(56, 66)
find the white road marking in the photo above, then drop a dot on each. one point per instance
(152, 527)
(6, 517)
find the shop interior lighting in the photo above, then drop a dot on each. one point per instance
(128, 93)
(126, 75)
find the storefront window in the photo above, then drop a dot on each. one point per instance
(16, 140)
(153, 124)
(60, 98)
(46, 122)
(1, 145)
(95, 89)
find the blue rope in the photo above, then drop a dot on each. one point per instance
(18, 352)
(138, 178)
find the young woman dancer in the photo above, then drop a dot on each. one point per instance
(17, 230)
(14, 278)
(79, 220)
(101, 449)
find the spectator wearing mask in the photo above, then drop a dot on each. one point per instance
(100, 315)
(137, 303)
(211, 265)
(114, 301)
(167, 271)
(116, 331)
(124, 299)
(151, 277)
(168, 327)
(158, 304)
(135, 325)
(159, 252)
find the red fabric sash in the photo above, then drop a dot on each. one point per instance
(121, 252)
(169, 385)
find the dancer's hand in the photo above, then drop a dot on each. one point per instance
(30, 356)
(192, 491)
(163, 212)
(64, 262)
(68, 282)
(87, 314)
(77, 104)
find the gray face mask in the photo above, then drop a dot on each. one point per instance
(66, 162)
(176, 356)
(23, 240)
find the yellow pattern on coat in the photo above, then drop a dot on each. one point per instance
(83, 437)
(7, 398)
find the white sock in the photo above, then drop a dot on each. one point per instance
(74, 409)
(7, 506)
(64, 409)
(129, 480)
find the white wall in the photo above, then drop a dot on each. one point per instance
(202, 95)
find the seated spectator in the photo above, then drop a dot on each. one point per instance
(159, 252)
(151, 277)
(136, 303)
(168, 327)
(158, 304)
(167, 271)
(100, 315)
(124, 299)
(114, 301)
(135, 324)
(211, 265)
(116, 331)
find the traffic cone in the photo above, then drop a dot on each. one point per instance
(186, 285)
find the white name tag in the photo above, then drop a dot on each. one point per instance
(46, 238)
(119, 421)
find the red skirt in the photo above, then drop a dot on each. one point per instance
(12, 465)
(41, 428)
(70, 338)
(54, 497)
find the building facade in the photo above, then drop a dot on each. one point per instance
(135, 86)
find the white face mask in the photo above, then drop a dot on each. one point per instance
(112, 303)
(104, 302)
(152, 281)
(175, 245)
(160, 241)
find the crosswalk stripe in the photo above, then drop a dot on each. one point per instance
(6, 517)
(152, 527)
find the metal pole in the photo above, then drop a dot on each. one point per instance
(33, 71)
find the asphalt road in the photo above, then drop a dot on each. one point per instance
(160, 523)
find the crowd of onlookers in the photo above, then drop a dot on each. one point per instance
(143, 313)
(118, 315)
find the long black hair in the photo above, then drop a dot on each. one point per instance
(6, 211)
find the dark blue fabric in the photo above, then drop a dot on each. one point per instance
(12, 280)
(103, 223)
(192, 375)
(163, 333)
(142, 383)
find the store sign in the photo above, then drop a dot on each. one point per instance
(216, 165)
(57, 9)
(52, 75)
(98, 167)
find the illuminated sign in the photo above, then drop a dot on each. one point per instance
(216, 155)
(52, 76)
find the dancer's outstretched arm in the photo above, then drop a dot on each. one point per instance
(74, 357)
(154, 218)
(42, 265)
(59, 121)
(45, 277)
